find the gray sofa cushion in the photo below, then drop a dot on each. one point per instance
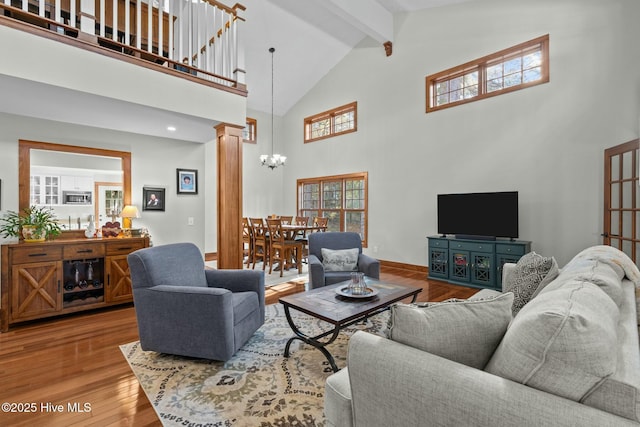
(340, 259)
(465, 331)
(620, 393)
(337, 407)
(531, 273)
(563, 342)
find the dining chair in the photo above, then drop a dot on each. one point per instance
(247, 240)
(302, 220)
(260, 242)
(322, 222)
(286, 219)
(301, 235)
(282, 249)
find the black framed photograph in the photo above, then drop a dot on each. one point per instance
(153, 198)
(187, 181)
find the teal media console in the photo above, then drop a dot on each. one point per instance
(474, 263)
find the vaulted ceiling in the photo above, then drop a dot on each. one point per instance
(310, 38)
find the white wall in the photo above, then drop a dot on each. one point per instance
(209, 191)
(153, 163)
(262, 187)
(99, 75)
(546, 142)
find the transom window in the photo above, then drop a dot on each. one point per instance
(341, 198)
(250, 131)
(330, 123)
(517, 67)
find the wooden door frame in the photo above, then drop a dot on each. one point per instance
(618, 150)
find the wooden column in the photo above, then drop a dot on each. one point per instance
(229, 153)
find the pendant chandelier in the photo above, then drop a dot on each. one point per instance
(274, 160)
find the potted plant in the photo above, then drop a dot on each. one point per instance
(35, 224)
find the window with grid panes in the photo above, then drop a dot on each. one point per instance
(330, 123)
(250, 131)
(342, 199)
(517, 67)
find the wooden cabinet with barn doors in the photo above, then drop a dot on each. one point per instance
(64, 276)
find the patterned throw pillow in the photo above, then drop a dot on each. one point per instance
(532, 273)
(465, 331)
(340, 259)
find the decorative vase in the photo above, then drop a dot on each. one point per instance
(30, 234)
(90, 232)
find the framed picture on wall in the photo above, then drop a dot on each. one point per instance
(187, 181)
(153, 198)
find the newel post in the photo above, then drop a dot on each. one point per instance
(229, 158)
(239, 41)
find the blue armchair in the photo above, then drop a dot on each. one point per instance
(320, 276)
(185, 310)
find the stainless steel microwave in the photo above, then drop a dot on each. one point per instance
(76, 197)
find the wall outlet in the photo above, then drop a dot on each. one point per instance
(375, 249)
(190, 220)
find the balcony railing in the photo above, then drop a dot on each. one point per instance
(200, 38)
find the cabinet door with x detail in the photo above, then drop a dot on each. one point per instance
(118, 279)
(35, 290)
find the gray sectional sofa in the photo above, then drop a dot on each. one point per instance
(569, 357)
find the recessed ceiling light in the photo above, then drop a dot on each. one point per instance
(171, 128)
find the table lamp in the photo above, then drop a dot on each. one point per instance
(128, 213)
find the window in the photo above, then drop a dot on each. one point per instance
(334, 122)
(517, 67)
(341, 198)
(250, 131)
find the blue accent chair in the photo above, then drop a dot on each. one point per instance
(318, 277)
(187, 310)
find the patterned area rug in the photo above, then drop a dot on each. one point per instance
(257, 387)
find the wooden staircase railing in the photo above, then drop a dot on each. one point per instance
(199, 38)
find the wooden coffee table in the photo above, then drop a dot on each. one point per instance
(325, 304)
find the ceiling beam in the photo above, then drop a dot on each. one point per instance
(369, 17)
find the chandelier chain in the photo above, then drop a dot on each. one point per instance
(276, 159)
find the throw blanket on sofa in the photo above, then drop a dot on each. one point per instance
(617, 260)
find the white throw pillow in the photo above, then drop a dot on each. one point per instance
(465, 331)
(340, 259)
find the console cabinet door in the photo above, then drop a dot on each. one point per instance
(118, 280)
(501, 261)
(438, 262)
(482, 269)
(459, 267)
(35, 290)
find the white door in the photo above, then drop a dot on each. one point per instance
(109, 202)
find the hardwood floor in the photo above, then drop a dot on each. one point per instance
(75, 360)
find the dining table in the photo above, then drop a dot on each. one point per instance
(294, 231)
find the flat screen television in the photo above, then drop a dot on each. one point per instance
(479, 215)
